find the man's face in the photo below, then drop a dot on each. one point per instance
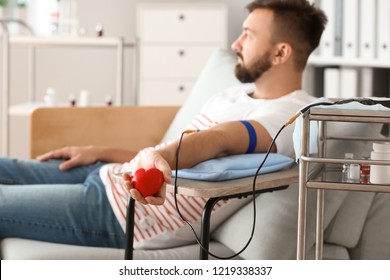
(253, 47)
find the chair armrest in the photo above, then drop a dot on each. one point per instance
(129, 127)
(264, 182)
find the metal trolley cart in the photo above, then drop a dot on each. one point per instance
(324, 173)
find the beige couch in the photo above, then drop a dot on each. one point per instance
(54, 128)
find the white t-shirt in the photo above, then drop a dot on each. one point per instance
(160, 226)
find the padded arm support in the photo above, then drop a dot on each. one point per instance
(129, 127)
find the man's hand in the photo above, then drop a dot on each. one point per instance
(152, 160)
(74, 156)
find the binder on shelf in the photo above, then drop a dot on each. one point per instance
(332, 82)
(316, 3)
(374, 82)
(308, 79)
(327, 44)
(367, 42)
(366, 82)
(381, 82)
(383, 28)
(350, 23)
(348, 82)
(338, 27)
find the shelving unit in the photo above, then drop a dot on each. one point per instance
(321, 172)
(316, 60)
(353, 58)
(82, 42)
(32, 43)
(370, 77)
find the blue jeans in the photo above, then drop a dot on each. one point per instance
(39, 201)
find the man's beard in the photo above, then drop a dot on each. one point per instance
(252, 73)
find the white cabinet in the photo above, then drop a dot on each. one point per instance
(175, 41)
(20, 113)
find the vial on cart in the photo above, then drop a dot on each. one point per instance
(365, 172)
(354, 173)
(346, 168)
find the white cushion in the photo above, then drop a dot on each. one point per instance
(217, 75)
(374, 242)
(276, 224)
(23, 249)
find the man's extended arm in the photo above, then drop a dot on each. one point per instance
(76, 156)
(221, 140)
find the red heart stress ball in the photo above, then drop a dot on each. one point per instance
(148, 182)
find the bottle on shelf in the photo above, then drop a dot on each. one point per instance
(380, 174)
(72, 100)
(99, 30)
(50, 97)
(346, 166)
(365, 170)
(354, 173)
(351, 171)
(108, 100)
(54, 18)
(84, 98)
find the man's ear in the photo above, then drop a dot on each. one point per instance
(282, 52)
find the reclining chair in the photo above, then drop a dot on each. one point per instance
(276, 231)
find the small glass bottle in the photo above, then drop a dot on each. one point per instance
(54, 20)
(354, 173)
(108, 100)
(365, 172)
(346, 168)
(99, 30)
(50, 97)
(72, 100)
(84, 98)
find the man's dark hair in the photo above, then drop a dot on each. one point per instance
(296, 22)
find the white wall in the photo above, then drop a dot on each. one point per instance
(71, 70)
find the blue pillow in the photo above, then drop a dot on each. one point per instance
(235, 166)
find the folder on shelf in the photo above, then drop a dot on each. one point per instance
(350, 24)
(327, 44)
(316, 3)
(383, 28)
(366, 82)
(374, 82)
(348, 82)
(367, 42)
(338, 27)
(332, 82)
(308, 80)
(381, 84)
